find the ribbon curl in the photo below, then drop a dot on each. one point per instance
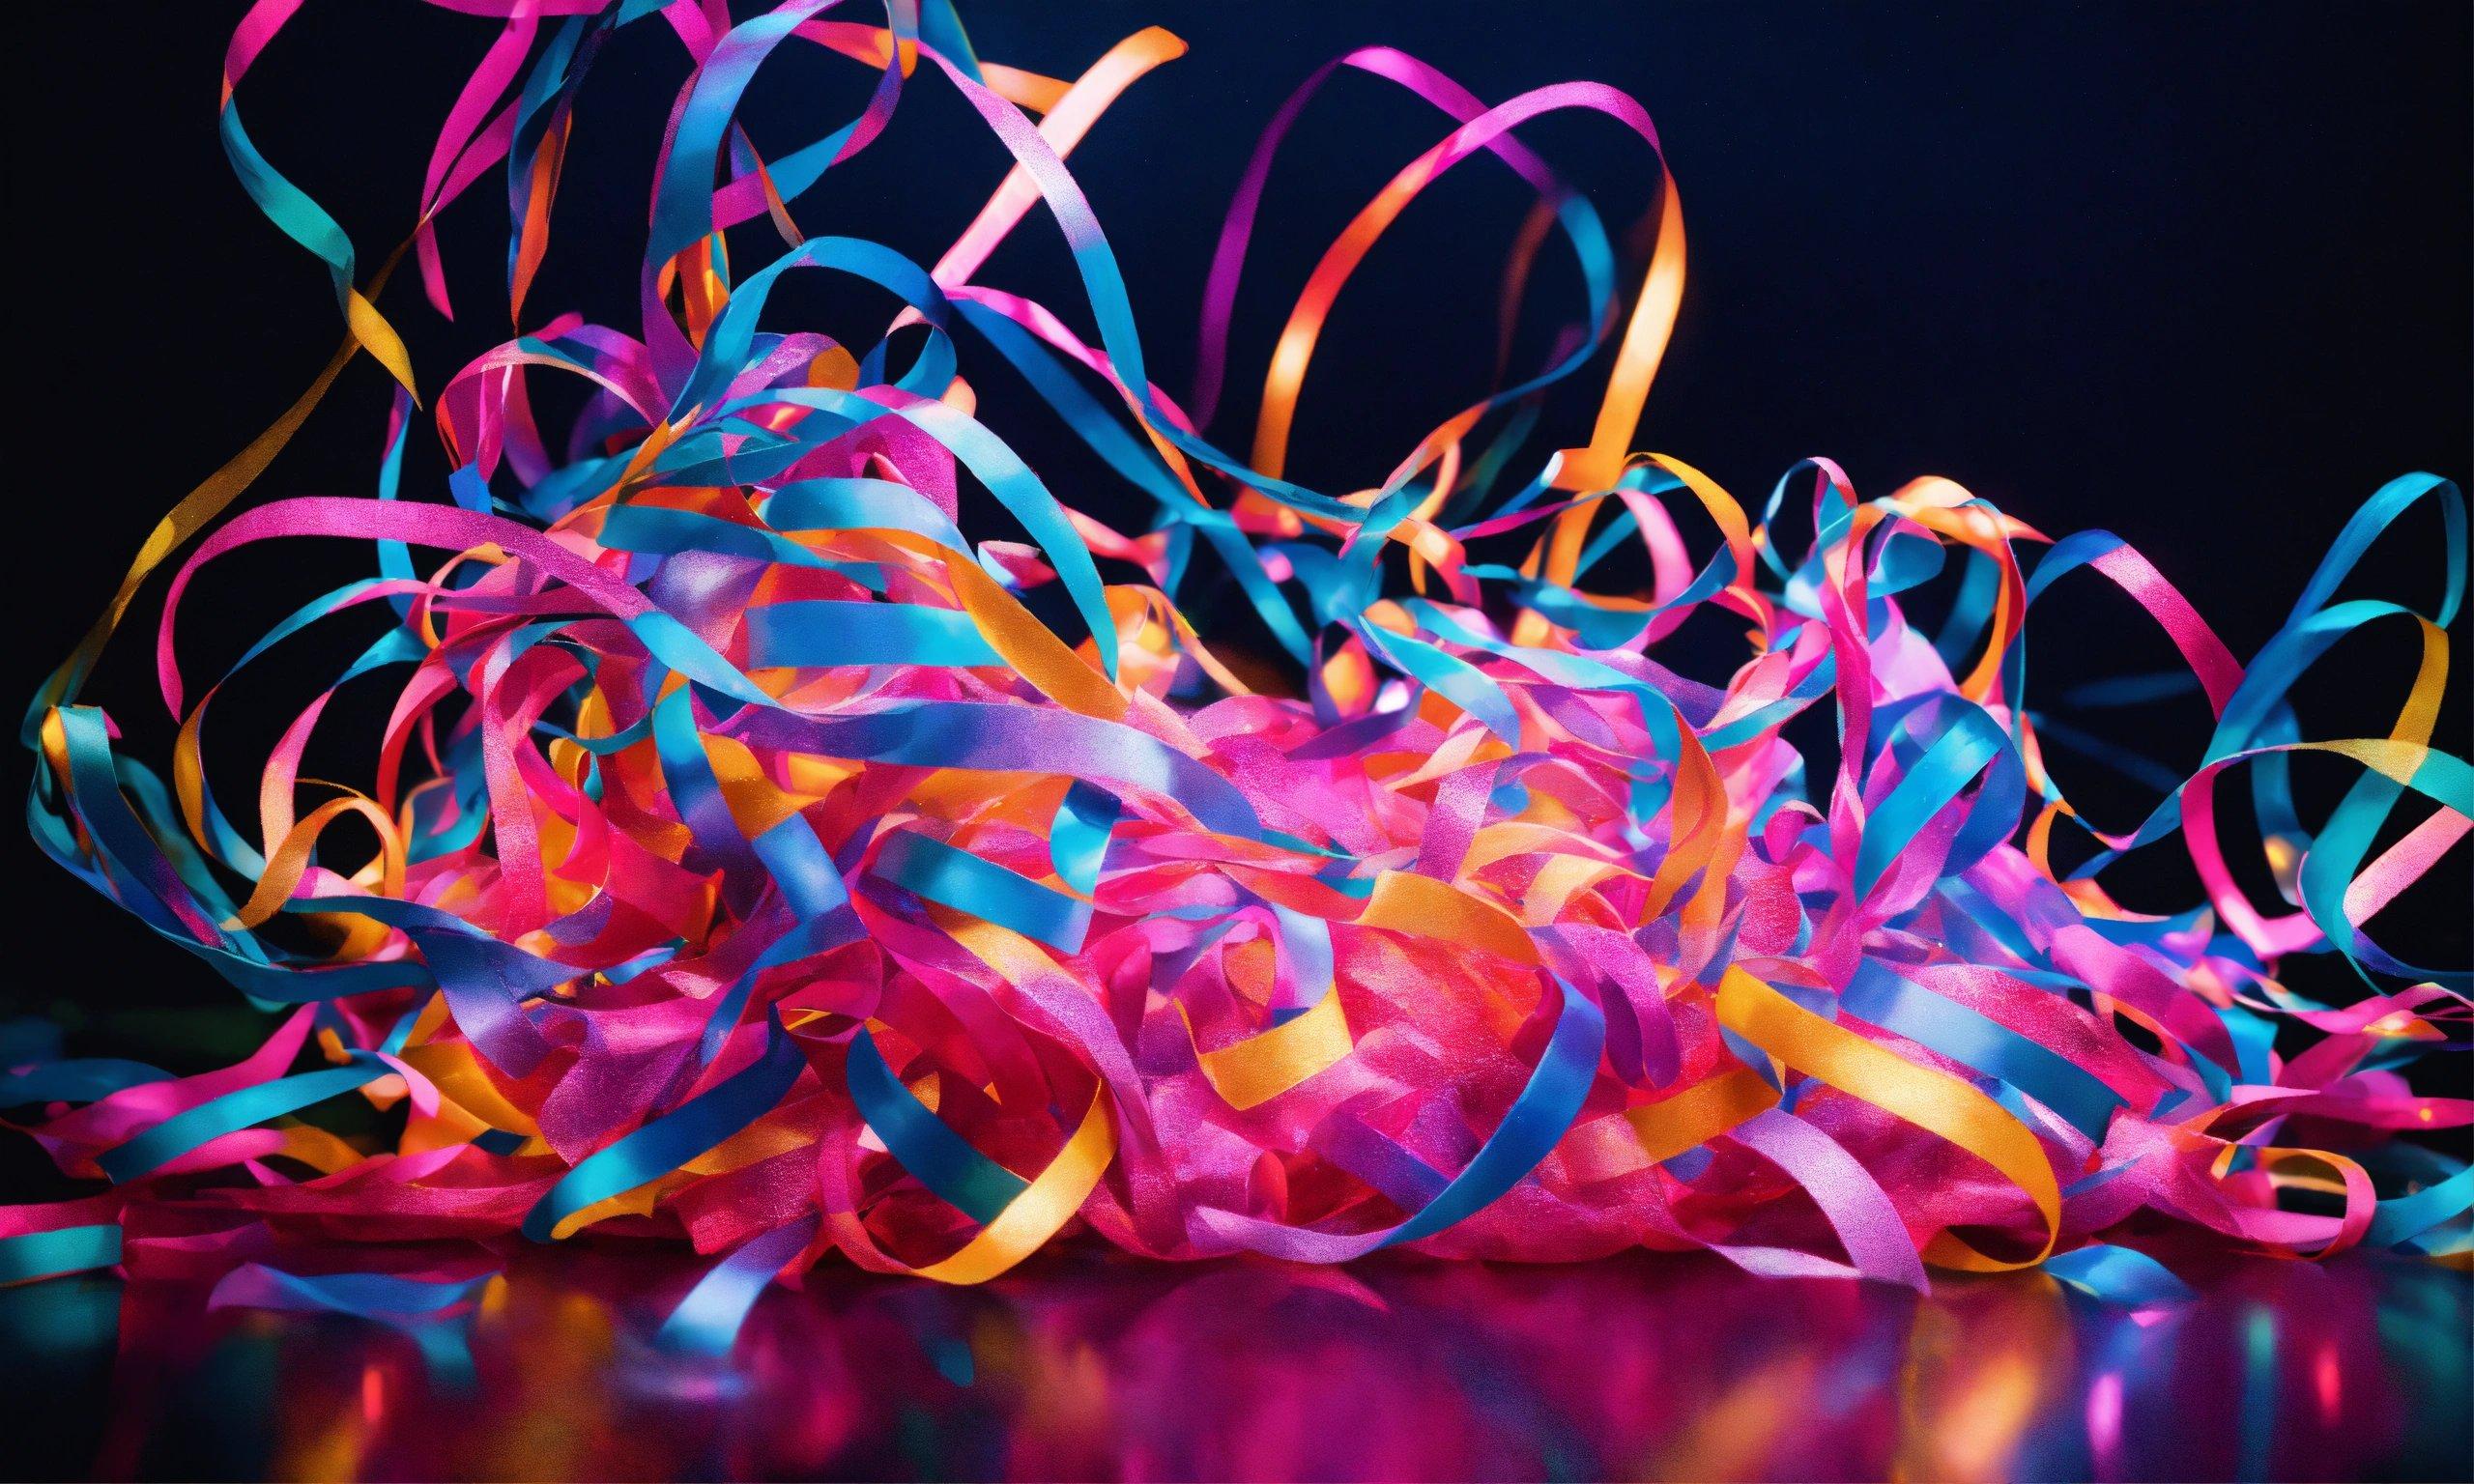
(757, 867)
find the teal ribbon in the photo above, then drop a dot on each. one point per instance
(700, 1123)
(61, 1251)
(955, 878)
(234, 1111)
(921, 1143)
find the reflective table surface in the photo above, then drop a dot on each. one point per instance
(1085, 1366)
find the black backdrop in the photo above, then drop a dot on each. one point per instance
(2196, 275)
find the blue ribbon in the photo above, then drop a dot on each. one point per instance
(959, 879)
(937, 1157)
(700, 1123)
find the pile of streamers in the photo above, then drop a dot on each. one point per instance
(754, 868)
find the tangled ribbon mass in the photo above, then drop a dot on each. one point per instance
(764, 861)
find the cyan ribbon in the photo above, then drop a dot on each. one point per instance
(61, 1251)
(1078, 837)
(788, 635)
(1546, 1107)
(234, 1111)
(2119, 1275)
(663, 1145)
(1970, 742)
(965, 882)
(2408, 1216)
(1013, 739)
(1905, 1008)
(708, 1321)
(75, 1082)
(937, 1157)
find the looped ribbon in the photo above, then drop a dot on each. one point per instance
(765, 859)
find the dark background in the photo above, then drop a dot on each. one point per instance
(2196, 275)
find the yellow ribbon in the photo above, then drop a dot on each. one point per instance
(1930, 1100)
(1048, 1203)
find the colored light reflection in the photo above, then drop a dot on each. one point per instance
(1086, 1367)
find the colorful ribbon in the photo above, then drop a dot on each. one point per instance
(757, 863)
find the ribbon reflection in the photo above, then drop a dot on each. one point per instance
(1089, 1368)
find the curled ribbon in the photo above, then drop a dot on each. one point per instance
(758, 865)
